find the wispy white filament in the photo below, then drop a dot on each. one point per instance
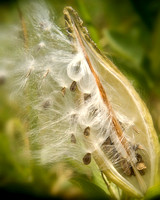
(41, 72)
(53, 81)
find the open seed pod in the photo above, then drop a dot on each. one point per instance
(121, 135)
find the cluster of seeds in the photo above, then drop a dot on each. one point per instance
(108, 146)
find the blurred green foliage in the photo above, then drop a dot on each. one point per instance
(128, 32)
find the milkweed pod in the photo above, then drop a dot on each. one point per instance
(125, 109)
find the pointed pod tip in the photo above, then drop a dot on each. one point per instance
(68, 10)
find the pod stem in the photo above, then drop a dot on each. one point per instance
(110, 189)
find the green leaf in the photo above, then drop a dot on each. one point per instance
(155, 50)
(125, 45)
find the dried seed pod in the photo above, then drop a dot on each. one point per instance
(128, 105)
(113, 101)
(87, 131)
(73, 86)
(87, 159)
(73, 139)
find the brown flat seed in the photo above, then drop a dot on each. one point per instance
(77, 67)
(122, 126)
(63, 90)
(140, 147)
(74, 118)
(137, 147)
(2, 79)
(139, 157)
(108, 149)
(47, 72)
(142, 172)
(126, 167)
(66, 17)
(73, 86)
(46, 104)
(87, 131)
(28, 73)
(87, 159)
(69, 30)
(132, 171)
(108, 141)
(87, 96)
(136, 130)
(73, 139)
(141, 166)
